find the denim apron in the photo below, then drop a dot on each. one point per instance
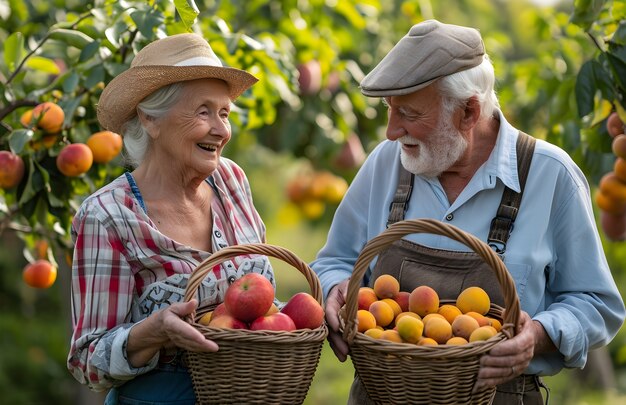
(167, 384)
(450, 272)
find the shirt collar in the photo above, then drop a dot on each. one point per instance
(502, 162)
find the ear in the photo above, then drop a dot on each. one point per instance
(149, 123)
(470, 114)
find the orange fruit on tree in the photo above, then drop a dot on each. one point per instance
(608, 204)
(11, 169)
(39, 274)
(613, 225)
(619, 168)
(614, 125)
(49, 117)
(105, 145)
(74, 159)
(619, 146)
(611, 186)
(26, 118)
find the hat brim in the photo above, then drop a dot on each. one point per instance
(119, 99)
(397, 92)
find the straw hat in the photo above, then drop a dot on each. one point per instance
(169, 60)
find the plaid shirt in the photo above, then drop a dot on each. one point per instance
(124, 269)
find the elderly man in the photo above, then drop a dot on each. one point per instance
(451, 155)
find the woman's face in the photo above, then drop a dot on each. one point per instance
(193, 133)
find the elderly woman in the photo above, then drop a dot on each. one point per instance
(138, 239)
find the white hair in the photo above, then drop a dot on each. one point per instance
(478, 81)
(136, 137)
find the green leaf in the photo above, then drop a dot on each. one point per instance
(585, 89)
(43, 64)
(188, 12)
(89, 51)
(95, 76)
(19, 138)
(619, 69)
(13, 50)
(586, 12)
(619, 37)
(71, 82)
(146, 21)
(74, 38)
(34, 184)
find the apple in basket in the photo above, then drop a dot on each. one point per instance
(226, 321)
(249, 297)
(305, 311)
(275, 321)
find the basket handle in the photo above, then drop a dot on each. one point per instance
(402, 228)
(265, 249)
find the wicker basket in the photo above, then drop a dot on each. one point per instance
(402, 373)
(255, 367)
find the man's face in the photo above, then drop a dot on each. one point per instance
(431, 143)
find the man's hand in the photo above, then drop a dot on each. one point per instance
(335, 300)
(511, 357)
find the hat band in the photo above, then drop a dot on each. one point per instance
(199, 61)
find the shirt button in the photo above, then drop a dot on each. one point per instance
(231, 279)
(449, 217)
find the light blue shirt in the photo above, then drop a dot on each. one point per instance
(554, 253)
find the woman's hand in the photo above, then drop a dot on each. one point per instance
(166, 329)
(510, 357)
(335, 300)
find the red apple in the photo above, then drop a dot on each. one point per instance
(249, 297)
(352, 155)
(220, 309)
(304, 310)
(11, 169)
(277, 321)
(226, 321)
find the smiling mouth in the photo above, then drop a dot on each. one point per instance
(207, 147)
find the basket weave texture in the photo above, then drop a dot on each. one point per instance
(402, 373)
(255, 367)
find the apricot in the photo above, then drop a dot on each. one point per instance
(483, 333)
(619, 146)
(365, 297)
(456, 341)
(463, 326)
(438, 329)
(609, 204)
(449, 312)
(611, 186)
(391, 335)
(74, 159)
(423, 300)
(407, 313)
(619, 168)
(614, 125)
(403, 300)
(386, 286)
(382, 312)
(428, 317)
(11, 169)
(374, 333)
(26, 119)
(394, 305)
(473, 299)
(426, 341)
(365, 320)
(49, 117)
(480, 318)
(39, 274)
(410, 329)
(495, 323)
(105, 145)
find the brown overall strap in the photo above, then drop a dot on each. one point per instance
(502, 224)
(400, 202)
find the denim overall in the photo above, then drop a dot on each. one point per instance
(450, 272)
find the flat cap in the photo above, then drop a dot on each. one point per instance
(428, 52)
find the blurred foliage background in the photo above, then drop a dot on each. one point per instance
(305, 122)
